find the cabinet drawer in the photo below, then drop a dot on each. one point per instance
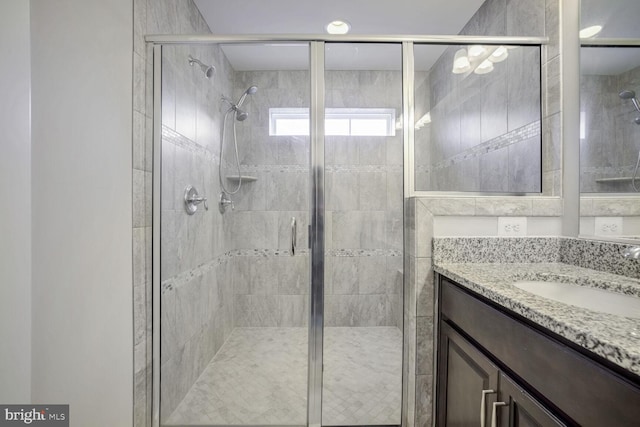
(583, 389)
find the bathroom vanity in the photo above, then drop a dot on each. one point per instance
(510, 358)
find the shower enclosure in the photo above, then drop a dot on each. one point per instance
(236, 273)
(281, 169)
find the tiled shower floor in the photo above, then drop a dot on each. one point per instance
(259, 377)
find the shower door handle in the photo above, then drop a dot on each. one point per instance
(294, 235)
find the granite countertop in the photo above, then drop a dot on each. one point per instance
(613, 337)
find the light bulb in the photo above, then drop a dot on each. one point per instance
(589, 32)
(476, 50)
(485, 67)
(461, 62)
(499, 55)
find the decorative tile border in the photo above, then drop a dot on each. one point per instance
(273, 168)
(522, 134)
(185, 277)
(363, 252)
(179, 140)
(363, 168)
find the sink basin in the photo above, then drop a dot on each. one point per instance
(581, 296)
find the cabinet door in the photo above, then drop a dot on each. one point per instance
(463, 374)
(522, 410)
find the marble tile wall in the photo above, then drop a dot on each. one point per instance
(188, 144)
(363, 199)
(197, 297)
(609, 148)
(270, 286)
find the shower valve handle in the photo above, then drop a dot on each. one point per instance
(192, 199)
(198, 200)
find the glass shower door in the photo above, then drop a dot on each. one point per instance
(235, 271)
(362, 381)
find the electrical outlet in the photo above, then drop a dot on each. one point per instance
(608, 226)
(512, 226)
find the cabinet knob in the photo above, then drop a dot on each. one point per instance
(483, 406)
(494, 415)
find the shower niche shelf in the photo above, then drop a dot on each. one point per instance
(245, 178)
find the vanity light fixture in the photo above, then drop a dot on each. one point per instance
(338, 27)
(479, 58)
(592, 31)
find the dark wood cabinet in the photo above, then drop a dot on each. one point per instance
(471, 385)
(534, 377)
(521, 409)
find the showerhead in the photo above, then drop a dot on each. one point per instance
(250, 91)
(241, 115)
(208, 70)
(637, 120)
(629, 94)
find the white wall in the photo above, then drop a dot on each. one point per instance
(82, 228)
(15, 204)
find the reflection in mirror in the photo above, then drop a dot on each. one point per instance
(618, 18)
(609, 133)
(609, 119)
(477, 112)
(610, 142)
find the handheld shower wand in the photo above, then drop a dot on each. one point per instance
(241, 115)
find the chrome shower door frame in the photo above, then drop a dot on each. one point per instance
(316, 236)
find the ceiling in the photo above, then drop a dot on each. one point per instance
(367, 17)
(620, 18)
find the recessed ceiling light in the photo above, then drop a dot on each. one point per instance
(338, 27)
(589, 32)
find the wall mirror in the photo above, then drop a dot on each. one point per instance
(610, 120)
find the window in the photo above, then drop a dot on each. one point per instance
(338, 121)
